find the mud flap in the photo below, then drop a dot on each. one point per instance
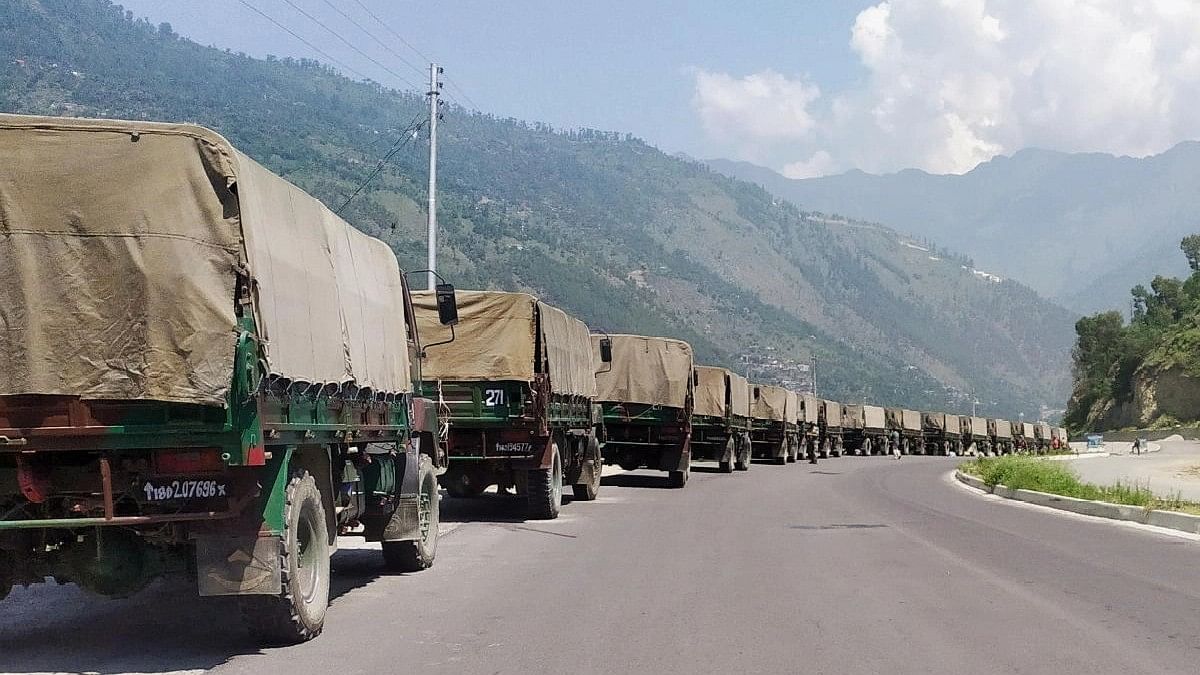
(405, 524)
(675, 458)
(238, 565)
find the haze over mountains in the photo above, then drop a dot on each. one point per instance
(1081, 229)
(599, 223)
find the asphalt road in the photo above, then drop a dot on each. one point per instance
(1174, 469)
(854, 566)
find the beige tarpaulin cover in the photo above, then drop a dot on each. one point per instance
(833, 413)
(710, 391)
(739, 395)
(942, 422)
(976, 426)
(1027, 429)
(1001, 428)
(1042, 430)
(496, 339)
(852, 416)
(120, 242)
(792, 408)
(771, 403)
(901, 419)
(874, 417)
(810, 408)
(646, 370)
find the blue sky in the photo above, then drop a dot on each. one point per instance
(807, 87)
(623, 65)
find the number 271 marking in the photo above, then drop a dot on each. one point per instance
(493, 397)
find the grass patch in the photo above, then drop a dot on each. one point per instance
(1030, 473)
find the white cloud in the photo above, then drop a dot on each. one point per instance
(952, 83)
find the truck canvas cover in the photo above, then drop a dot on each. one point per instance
(833, 413)
(907, 420)
(852, 416)
(739, 390)
(976, 426)
(1027, 429)
(810, 408)
(1042, 430)
(121, 242)
(874, 417)
(711, 386)
(792, 407)
(1000, 428)
(771, 403)
(646, 370)
(942, 422)
(497, 337)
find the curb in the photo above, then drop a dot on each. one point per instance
(1173, 520)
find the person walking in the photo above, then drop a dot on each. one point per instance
(895, 444)
(1137, 446)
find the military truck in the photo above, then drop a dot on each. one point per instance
(646, 393)
(975, 435)
(943, 434)
(773, 431)
(1029, 436)
(907, 423)
(203, 372)
(865, 429)
(721, 419)
(829, 421)
(518, 384)
(809, 431)
(1001, 436)
(1041, 432)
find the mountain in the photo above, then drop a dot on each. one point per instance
(1078, 228)
(602, 224)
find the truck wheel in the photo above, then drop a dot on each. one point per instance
(298, 613)
(743, 458)
(414, 556)
(587, 491)
(545, 487)
(678, 479)
(728, 458)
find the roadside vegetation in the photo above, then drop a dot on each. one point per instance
(1111, 358)
(1019, 472)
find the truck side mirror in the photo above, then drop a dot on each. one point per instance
(447, 305)
(606, 350)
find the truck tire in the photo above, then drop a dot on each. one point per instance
(414, 556)
(543, 497)
(298, 613)
(678, 479)
(587, 490)
(743, 458)
(729, 457)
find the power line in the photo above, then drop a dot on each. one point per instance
(392, 31)
(406, 43)
(310, 45)
(405, 137)
(350, 44)
(371, 35)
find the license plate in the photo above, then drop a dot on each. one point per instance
(184, 489)
(514, 448)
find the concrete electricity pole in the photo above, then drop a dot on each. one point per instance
(435, 88)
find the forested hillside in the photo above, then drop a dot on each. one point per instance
(1079, 228)
(1146, 372)
(623, 235)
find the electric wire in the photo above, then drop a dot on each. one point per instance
(406, 136)
(371, 35)
(350, 44)
(310, 45)
(408, 44)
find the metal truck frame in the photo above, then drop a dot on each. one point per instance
(724, 439)
(247, 497)
(525, 434)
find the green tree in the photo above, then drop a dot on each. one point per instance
(1191, 250)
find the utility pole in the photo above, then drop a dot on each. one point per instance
(435, 88)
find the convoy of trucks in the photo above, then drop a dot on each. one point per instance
(206, 372)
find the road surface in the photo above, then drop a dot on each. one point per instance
(1173, 469)
(858, 565)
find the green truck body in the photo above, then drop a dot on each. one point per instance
(178, 456)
